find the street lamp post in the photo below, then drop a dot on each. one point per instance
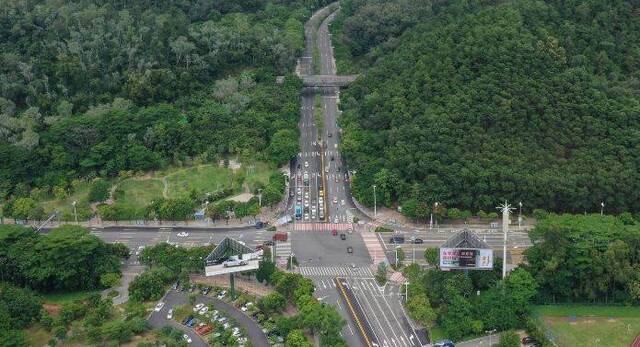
(375, 205)
(397, 247)
(520, 217)
(435, 208)
(602, 208)
(406, 291)
(490, 332)
(75, 211)
(260, 196)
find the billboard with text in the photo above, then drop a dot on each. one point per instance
(466, 258)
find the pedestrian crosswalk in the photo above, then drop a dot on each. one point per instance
(322, 226)
(283, 249)
(376, 252)
(336, 271)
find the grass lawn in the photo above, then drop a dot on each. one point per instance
(586, 310)
(37, 336)
(592, 325)
(206, 178)
(64, 297)
(437, 334)
(65, 207)
(139, 193)
(257, 172)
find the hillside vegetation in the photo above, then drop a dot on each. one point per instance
(91, 88)
(469, 103)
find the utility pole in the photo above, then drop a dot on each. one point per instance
(375, 205)
(75, 211)
(506, 210)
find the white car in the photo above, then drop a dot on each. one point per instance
(232, 263)
(170, 314)
(342, 202)
(306, 164)
(226, 325)
(198, 307)
(186, 338)
(204, 310)
(183, 234)
(159, 306)
(335, 200)
(336, 220)
(244, 308)
(140, 248)
(222, 319)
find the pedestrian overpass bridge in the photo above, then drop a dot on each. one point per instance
(327, 80)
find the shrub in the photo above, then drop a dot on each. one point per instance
(382, 229)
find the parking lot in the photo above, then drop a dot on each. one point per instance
(212, 317)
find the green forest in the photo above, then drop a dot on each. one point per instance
(469, 103)
(92, 88)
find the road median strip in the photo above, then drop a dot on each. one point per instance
(354, 313)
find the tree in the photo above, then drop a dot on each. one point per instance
(381, 273)
(509, 339)
(420, 310)
(109, 280)
(265, 269)
(23, 208)
(146, 286)
(432, 256)
(99, 190)
(67, 258)
(272, 303)
(297, 339)
(22, 305)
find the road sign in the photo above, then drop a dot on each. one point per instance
(466, 258)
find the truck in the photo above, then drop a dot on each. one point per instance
(280, 236)
(298, 212)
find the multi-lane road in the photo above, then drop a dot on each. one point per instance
(320, 181)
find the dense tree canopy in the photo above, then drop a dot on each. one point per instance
(91, 88)
(484, 101)
(66, 258)
(591, 258)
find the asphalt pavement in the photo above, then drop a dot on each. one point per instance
(174, 298)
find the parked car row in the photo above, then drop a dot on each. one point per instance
(206, 320)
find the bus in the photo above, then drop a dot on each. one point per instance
(298, 212)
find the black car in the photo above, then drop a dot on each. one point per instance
(396, 239)
(343, 237)
(445, 343)
(184, 321)
(416, 241)
(349, 249)
(206, 290)
(332, 158)
(330, 134)
(268, 243)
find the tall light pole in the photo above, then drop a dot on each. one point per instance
(435, 207)
(490, 332)
(75, 211)
(260, 196)
(506, 210)
(406, 291)
(520, 217)
(375, 205)
(602, 208)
